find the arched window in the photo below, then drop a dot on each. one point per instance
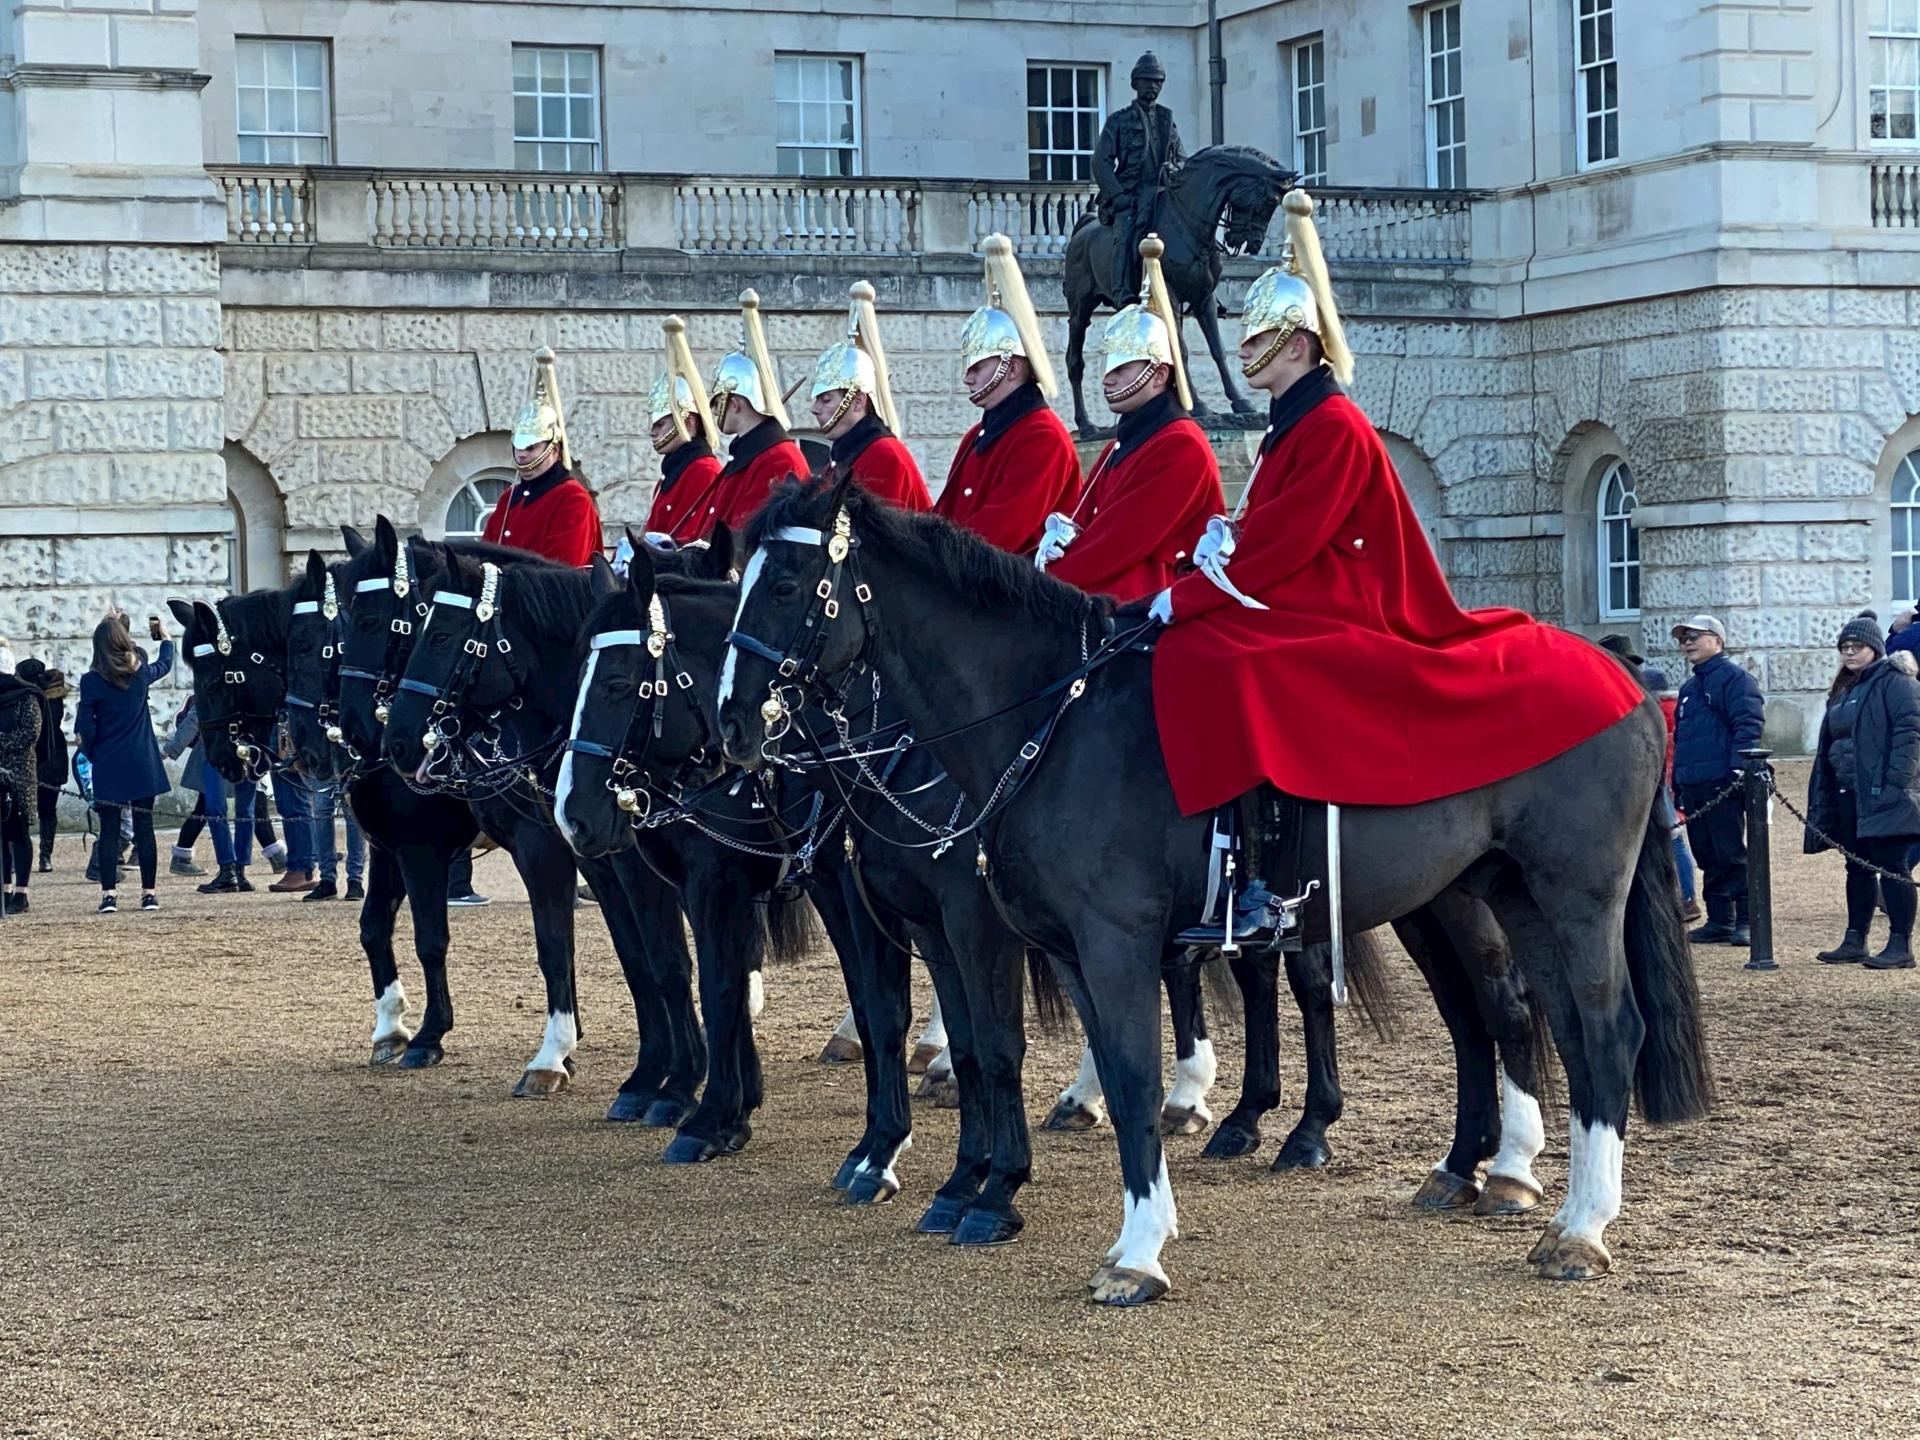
(1618, 558)
(467, 511)
(237, 547)
(1906, 531)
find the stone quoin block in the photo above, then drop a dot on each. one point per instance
(1884, 308)
(244, 391)
(309, 375)
(351, 462)
(420, 332)
(169, 479)
(424, 426)
(197, 561)
(393, 374)
(52, 269)
(270, 330)
(619, 373)
(72, 321)
(456, 385)
(165, 374)
(350, 417)
(590, 332)
(65, 374)
(110, 427)
(191, 322)
(526, 332)
(163, 270)
(196, 425)
(349, 331)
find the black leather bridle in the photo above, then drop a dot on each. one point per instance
(243, 706)
(399, 635)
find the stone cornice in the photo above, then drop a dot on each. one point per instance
(98, 77)
(1839, 510)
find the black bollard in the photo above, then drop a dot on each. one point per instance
(1759, 862)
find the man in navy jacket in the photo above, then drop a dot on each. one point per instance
(1721, 713)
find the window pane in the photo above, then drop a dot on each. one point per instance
(249, 63)
(1036, 85)
(580, 118)
(846, 79)
(526, 115)
(253, 150)
(307, 116)
(553, 69)
(524, 65)
(1084, 133)
(553, 118)
(1036, 130)
(280, 111)
(1063, 87)
(526, 156)
(253, 111)
(1062, 131)
(580, 71)
(1087, 88)
(280, 65)
(786, 80)
(788, 127)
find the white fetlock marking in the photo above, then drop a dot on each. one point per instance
(390, 1013)
(940, 1068)
(1523, 1134)
(885, 1169)
(936, 1032)
(1194, 1078)
(563, 1033)
(1593, 1198)
(1576, 1167)
(1085, 1092)
(756, 994)
(564, 788)
(848, 1028)
(1150, 1222)
(727, 666)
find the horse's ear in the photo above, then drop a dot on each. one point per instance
(183, 612)
(204, 620)
(316, 570)
(640, 573)
(356, 542)
(604, 581)
(716, 562)
(634, 542)
(386, 540)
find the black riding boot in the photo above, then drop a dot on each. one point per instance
(1897, 954)
(225, 882)
(1851, 950)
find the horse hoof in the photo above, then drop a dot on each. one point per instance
(690, 1150)
(843, 1177)
(540, 1084)
(840, 1051)
(1302, 1154)
(1231, 1141)
(1505, 1195)
(979, 1229)
(388, 1049)
(1545, 1245)
(1575, 1259)
(941, 1217)
(422, 1057)
(924, 1054)
(1072, 1115)
(666, 1114)
(871, 1187)
(943, 1090)
(628, 1109)
(1443, 1190)
(1123, 1289)
(1184, 1120)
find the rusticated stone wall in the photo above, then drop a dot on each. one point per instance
(112, 485)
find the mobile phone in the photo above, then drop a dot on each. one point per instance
(153, 626)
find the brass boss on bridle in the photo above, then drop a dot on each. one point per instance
(670, 677)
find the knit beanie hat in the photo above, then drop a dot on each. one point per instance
(1864, 629)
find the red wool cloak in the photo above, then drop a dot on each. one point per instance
(558, 521)
(1140, 516)
(1364, 683)
(1005, 495)
(885, 468)
(743, 491)
(685, 510)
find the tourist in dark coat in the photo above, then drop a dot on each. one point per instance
(1864, 793)
(116, 731)
(56, 767)
(19, 741)
(1720, 714)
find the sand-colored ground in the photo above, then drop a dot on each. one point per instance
(218, 1221)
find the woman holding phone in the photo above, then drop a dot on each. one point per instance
(116, 731)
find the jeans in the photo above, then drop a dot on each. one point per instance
(196, 822)
(1683, 861)
(49, 820)
(296, 814)
(326, 799)
(140, 813)
(232, 844)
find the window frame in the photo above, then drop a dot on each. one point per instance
(1875, 38)
(1584, 10)
(470, 488)
(857, 89)
(565, 143)
(1098, 110)
(1297, 52)
(1456, 146)
(266, 135)
(1606, 564)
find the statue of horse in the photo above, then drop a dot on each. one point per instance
(1234, 187)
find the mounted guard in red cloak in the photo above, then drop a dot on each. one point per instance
(853, 406)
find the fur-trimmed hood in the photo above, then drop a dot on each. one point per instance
(1903, 661)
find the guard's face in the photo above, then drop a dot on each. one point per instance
(1147, 87)
(535, 459)
(981, 371)
(826, 406)
(1115, 384)
(666, 439)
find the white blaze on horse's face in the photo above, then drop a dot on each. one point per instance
(728, 665)
(563, 791)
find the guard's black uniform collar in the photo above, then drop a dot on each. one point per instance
(542, 485)
(1008, 413)
(1292, 405)
(674, 465)
(848, 447)
(1139, 426)
(754, 443)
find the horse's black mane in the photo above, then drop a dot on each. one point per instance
(264, 616)
(928, 543)
(1246, 155)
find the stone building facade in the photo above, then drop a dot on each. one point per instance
(1686, 356)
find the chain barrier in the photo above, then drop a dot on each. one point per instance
(1831, 843)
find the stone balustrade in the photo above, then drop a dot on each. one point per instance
(716, 215)
(1893, 192)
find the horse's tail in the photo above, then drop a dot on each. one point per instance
(1672, 1079)
(1050, 1008)
(1367, 983)
(791, 933)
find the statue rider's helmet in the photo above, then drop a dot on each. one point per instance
(1148, 67)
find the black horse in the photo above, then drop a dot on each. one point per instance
(502, 638)
(1048, 726)
(388, 603)
(1230, 186)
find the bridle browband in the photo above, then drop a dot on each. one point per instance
(670, 676)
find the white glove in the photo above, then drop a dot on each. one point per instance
(1219, 534)
(622, 557)
(1162, 607)
(1060, 532)
(660, 540)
